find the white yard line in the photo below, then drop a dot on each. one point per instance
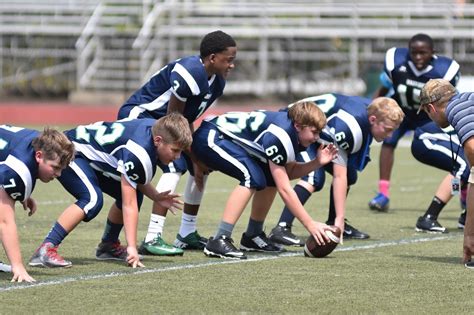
(61, 281)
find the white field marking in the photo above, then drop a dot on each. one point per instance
(220, 262)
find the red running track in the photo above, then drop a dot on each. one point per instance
(62, 113)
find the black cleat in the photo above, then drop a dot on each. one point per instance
(222, 247)
(281, 234)
(259, 243)
(351, 232)
(429, 224)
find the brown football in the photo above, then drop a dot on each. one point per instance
(313, 250)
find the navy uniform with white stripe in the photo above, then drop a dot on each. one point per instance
(406, 71)
(349, 128)
(25, 156)
(18, 166)
(438, 147)
(186, 79)
(240, 144)
(259, 150)
(189, 86)
(406, 82)
(105, 152)
(117, 158)
(441, 148)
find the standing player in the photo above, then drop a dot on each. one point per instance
(406, 71)
(440, 148)
(118, 158)
(26, 155)
(258, 149)
(445, 107)
(352, 124)
(190, 86)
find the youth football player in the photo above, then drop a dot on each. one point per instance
(25, 156)
(406, 70)
(440, 148)
(258, 149)
(190, 86)
(119, 159)
(352, 124)
(441, 102)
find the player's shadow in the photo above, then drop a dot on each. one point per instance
(438, 259)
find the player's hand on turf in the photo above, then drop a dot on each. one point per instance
(20, 275)
(168, 200)
(326, 153)
(468, 248)
(133, 260)
(317, 229)
(30, 204)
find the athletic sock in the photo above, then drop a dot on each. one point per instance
(225, 229)
(254, 228)
(111, 232)
(56, 235)
(435, 208)
(384, 187)
(155, 227)
(188, 224)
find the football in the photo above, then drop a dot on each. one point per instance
(312, 249)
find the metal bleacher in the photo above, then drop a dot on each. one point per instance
(301, 47)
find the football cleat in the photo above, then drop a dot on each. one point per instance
(429, 224)
(259, 243)
(191, 241)
(47, 256)
(159, 247)
(223, 247)
(281, 234)
(462, 220)
(379, 203)
(351, 232)
(112, 251)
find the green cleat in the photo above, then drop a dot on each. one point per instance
(191, 241)
(159, 247)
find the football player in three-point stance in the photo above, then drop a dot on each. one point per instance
(117, 158)
(259, 149)
(352, 124)
(26, 155)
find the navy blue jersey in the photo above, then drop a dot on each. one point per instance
(266, 135)
(347, 126)
(440, 148)
(432, 131)
(407, 80)
(187, 79)
(118, 148)
(18, 166)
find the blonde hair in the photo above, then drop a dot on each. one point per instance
(54, 144)
(307, 113)
(384, 108)
(174, 128)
